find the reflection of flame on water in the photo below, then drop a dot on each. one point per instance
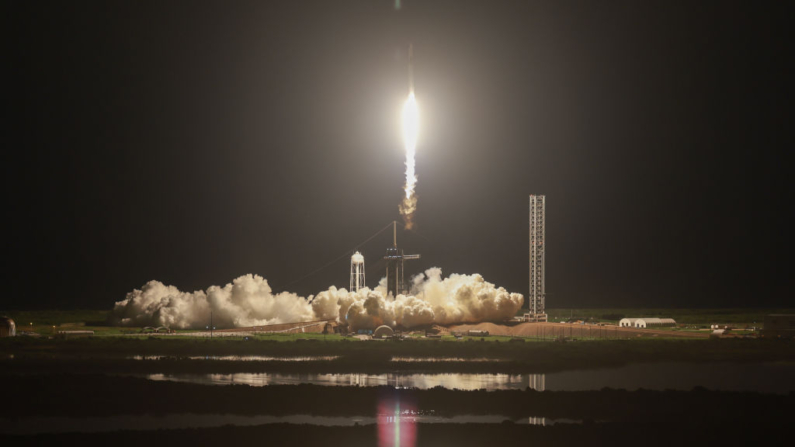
(397, 424)
(537, 421)
(459, 381)
(240, 358)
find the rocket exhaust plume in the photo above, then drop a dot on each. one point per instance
(250, 301)
(411, 121)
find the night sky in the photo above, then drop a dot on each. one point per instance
(193, 142)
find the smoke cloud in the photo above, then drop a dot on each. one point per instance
(249, 301)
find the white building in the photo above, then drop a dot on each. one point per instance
(646, 322)
(654, 322)
(537, 296)
(383, 331)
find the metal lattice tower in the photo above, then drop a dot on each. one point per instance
(357, 272)
(537, 296)
(395, 283)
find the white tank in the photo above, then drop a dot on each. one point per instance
(357, 272)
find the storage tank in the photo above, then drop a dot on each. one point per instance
(7, 327)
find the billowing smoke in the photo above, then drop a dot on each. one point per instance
(249, 301)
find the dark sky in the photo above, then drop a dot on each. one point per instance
(192, 142)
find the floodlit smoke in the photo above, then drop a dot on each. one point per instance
(249, 301)
(433, 300)
(411, 122)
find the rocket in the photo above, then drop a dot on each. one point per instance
(411, 68)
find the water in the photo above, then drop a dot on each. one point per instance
(240, 358)
(776, 378)
(264, 358)
(29, 426)
(444, 359)
(422, 381)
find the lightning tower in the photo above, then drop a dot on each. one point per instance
(537, 296)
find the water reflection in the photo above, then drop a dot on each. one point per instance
(764, 378)
(421, 381)
(443, 359)
(537, 421)
(240, 358)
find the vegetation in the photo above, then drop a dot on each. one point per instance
(702, 317)
(108, 353)
(48, 321)
(84, 378)
(58, 317)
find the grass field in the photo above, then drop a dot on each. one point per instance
(48, 321)
(110, 354)
(699, 317)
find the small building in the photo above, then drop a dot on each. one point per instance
(383, 331)
(654, 322)
(779, 326)
(627, 322)
(474, 333)
(7, 327)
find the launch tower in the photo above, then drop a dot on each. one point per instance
(537, 296)
(395, 282)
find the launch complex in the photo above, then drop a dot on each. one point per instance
(395, 260)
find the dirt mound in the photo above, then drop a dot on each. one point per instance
(493, 329)
(519, 330)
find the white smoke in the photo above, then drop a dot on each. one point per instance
(249, 301)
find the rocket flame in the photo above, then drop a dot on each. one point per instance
(411, 122)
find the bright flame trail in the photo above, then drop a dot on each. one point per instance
(411, 124)
(410, 127)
